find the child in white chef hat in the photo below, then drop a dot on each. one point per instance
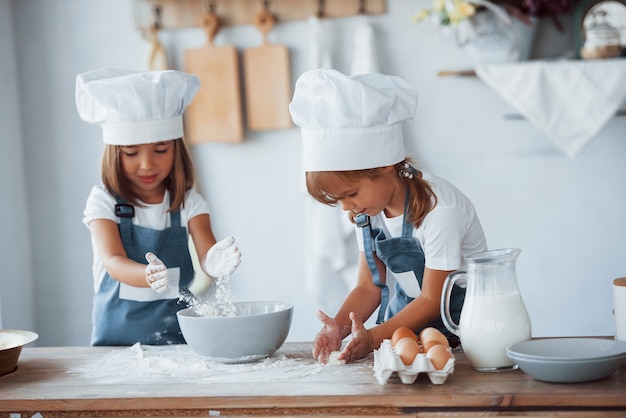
(410, 223)
(141, 216)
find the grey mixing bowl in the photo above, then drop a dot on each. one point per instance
(256, 332)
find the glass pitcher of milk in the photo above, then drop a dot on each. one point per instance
(493, 314)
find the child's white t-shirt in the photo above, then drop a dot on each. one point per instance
(449, 233)
(101, 205)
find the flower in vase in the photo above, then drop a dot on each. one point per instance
(446, 12)
(494, 31)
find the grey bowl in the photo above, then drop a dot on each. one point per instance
(569, 360)
(256, 332)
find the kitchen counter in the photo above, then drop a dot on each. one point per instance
(173, 381)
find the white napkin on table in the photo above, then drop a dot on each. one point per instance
(569, 101)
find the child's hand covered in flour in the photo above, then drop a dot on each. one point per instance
(156, 273)
(222, 258)
(328, 339)
(361, 343)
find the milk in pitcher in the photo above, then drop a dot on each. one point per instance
(486, 336)
(493, 314)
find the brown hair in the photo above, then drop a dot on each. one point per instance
(180, 180)
(422, 199)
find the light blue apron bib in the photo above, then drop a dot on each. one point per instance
(401, 255)
(126, 322)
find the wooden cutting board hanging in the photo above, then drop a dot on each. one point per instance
(267, 81)
(215, 113)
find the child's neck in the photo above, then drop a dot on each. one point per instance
(152, 197)
(396, 204)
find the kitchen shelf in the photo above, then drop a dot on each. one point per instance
(456, 73)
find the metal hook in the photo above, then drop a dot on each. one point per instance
(210, 6)
(157, 17)
(320, 9)
(362, 7)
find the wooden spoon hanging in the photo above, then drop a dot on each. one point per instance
(215, 113)
(267, 80)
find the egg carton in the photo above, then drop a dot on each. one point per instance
(387, 362)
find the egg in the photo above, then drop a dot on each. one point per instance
(400, 333)
(407, 349)
(439, 355)
(430, 337)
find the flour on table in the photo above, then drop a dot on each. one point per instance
(144, 364)
(333, 359)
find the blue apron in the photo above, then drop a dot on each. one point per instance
(126, 322)
(400, 255)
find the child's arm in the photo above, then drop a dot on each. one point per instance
(217, 258)
(420, 311)
(109, 243)
(364, 298)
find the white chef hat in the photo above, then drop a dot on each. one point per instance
(135, 107)
(351, 122)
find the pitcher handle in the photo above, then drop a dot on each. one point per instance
(445, 301)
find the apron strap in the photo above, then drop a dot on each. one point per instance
(125, 212)
(175, 218)
(363, 221)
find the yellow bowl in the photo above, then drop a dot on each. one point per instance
(11, 343)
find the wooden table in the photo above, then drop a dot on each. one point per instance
(173, 381)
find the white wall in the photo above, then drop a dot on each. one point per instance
(17, 309)
(567, 215)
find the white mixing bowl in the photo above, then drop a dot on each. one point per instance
(256, 332)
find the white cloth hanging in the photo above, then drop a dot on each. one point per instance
(331, 259)
(321, 45)
(365, 58)
(569, 101)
